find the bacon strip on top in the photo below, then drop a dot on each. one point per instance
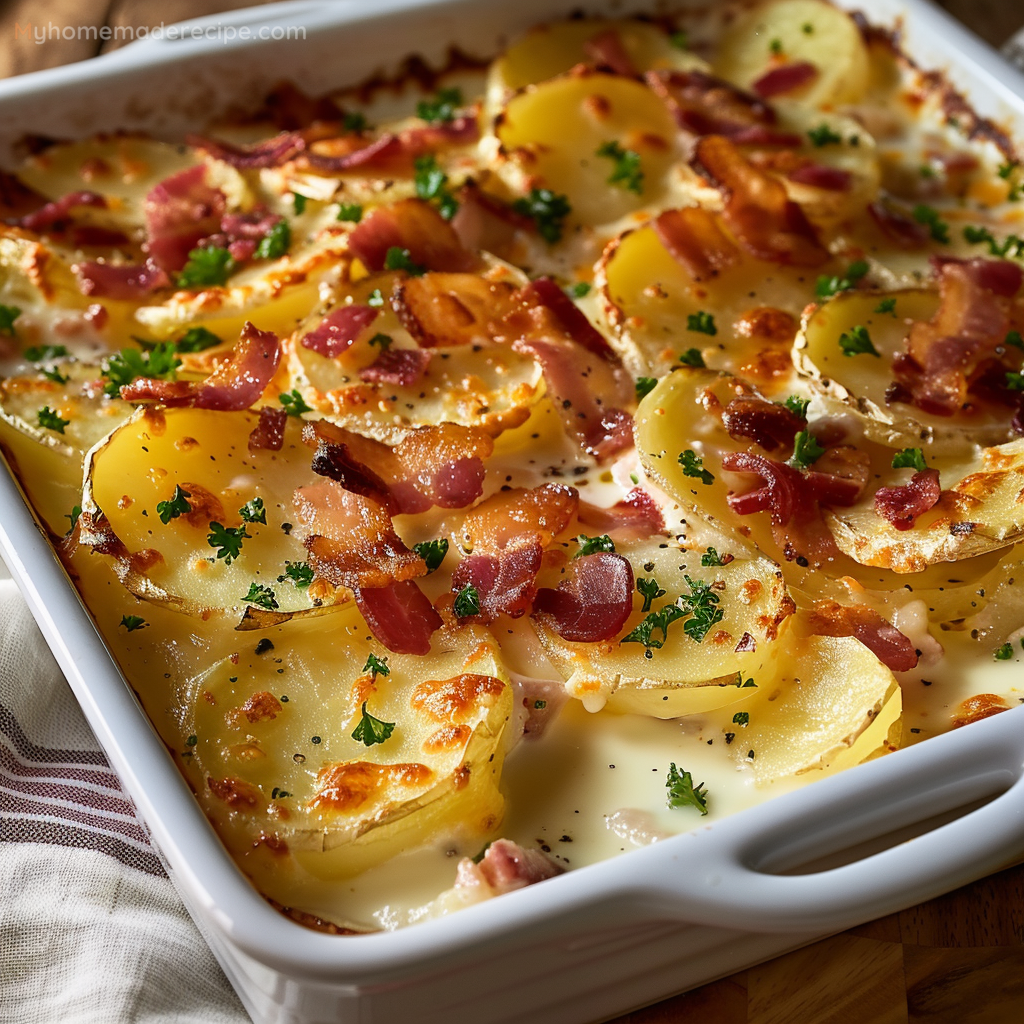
(892, 648)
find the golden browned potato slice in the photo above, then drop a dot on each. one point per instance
(295, 794)
(786, 32)
(684, 675)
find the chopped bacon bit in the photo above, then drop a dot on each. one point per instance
(840, 474)
(504, 582)
(903, 505)
(180, 211)
(234, 385)
(416, 226)
(55, 215)
(339, 330)
(240, 233)
(268, 434)
(544, 511)
(943, 355)
(757, 210)
(832, 179)
(898, 227)
(506, 866)
(544, 292)
(120, 281)
(747, 643)
(593, 600)
(881, 637)
(606, 50)
(266, 153)
(695, 240)
(92, 235)
(401, 366)
(452, 309)
(485, 222)
(636, 517)
(400, 616)
(766, 424)
(785, 79)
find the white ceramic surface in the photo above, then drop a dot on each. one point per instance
(603, 939)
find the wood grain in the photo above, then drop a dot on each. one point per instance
(958, 959)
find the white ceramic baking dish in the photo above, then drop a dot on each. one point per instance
(602, 940)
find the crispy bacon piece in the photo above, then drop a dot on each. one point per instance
(544, 511)
(882, 638)
(240, 233)
(235, 384)
(768, 425)
(785, 79)
(593, 600)
(267, 153)
(438, 465)
(120, 280)
(339, 329)
(352, 542)
(401, 366)
(898, 227)
(180, 211)
(636, 517)
(904, 504)
(452, 309)
(832, 179)
(268, 434)
(399, 615)
(415, 226)
(606, 50)
(757, 210)
(695, 240)
(485, 222)
(944, 354)
(505, 581)
(544, 292)
(55, 215)
(506, 866)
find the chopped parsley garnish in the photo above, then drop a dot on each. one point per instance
(683, 793)
(1013, 338)
(824, 136)
(400, 259)
(702, 603)
(680, 40)
(254, 511)
(827, 286)
(467, 601)
(210, 266)
(125, 366)
(579, 290)
(912, 458)
(432, 552)
(644, 386)
(299, 573)
(1004, 653)
(177, 506)
(372, 730)
(643, 631)
(1011, 245)
(744, 683)
(886, 306)
(807, 28)
(692, 356)
(55, 375)
(261, 595)
(857, 342)
(806, 450)
(298, 203)
(441, 108)
(227, 540)
(376, 666)
(711, 557)
(50, 420)
(133, 622)
(1006, 169)
(701, 323)
(275, 243)
(376, 300)
(693, 465)
(430, 183)
(354, 122)
(626, 172)
(382, 340)
(649, 590)
(350, 212)
(293, 402)
(197, 339)
(44, 353)
(937, 227)
(775, 46)
(76, 511)
(547, 210)
(797, 406)
(8, 314)
(591, 545)
(1014, 381)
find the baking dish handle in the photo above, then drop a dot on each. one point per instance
(760, 874)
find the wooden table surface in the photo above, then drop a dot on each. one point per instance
(958, 959)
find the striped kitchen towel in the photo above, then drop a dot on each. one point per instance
(91, 930)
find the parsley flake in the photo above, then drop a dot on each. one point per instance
(650, 591)
(467, 601)
(591, 545)
(382, 340)
(45, 353)
(161, 362)
(177, 506)
(912, 458)
(1013, 338)
(275, 243)
(205, 267)
(775, 47)
(711, 557)
(683, 793)
(701, 323)
(702, 604)
(886, 306)
(227, 540)
(626, 172)
(643, 631)
(547, 210)
(430, 183)
(441, 108)
(806, 450)
(133, 622)
(1004, 653)
(55, 375)
(397, 258)
(8, 314)
(824, 136)
(197, 339)
(579, 290)
(937, 227)
(644, 386)
(372, 730)
(76, 511)
(1011, 245)
(680, 40)
(692, 356)
(262, 596)
(354, 122)
(432, 552)
(298, 203)
(693, 465)
(1006, 169)
(352, 212)
(299, 573)
(797, 406)
(857, 342)
(50, 420)
(376, 666)
(254, 511)
(827, 286)
(1014, 381)
(293, 402)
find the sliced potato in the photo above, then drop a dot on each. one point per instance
(683, 676)
(833, 705)
(796, 31)
(295, 795)
(551, 134)
(205, 453)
